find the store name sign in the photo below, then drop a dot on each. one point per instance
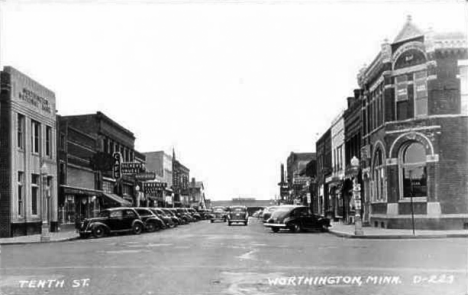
(35, 100)
(154, 186)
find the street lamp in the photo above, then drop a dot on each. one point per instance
(357, 197)
(45, 236)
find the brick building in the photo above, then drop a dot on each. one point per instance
(86, 145)
(335, 180)
(352, 138)
(28, 156)
(415, 131)
(180, 182)
(322, 203)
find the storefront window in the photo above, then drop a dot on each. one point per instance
(413, 174)
(34, 194)
(20, 192)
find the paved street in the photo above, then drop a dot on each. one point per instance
(204, 258)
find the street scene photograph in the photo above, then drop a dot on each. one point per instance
(233, 147)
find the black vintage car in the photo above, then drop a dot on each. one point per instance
(173, 216)
(164, 217)
(112, 220)
(194, 214)
(296, 219)
(150, 219)
(237, 214)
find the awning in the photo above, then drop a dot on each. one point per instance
(117, 199)
(70, 190)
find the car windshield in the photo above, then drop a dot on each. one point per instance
(219, 210)
(237, 209)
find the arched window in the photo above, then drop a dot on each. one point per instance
(413, 176)
(379, 176)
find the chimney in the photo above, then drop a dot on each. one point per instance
(350, 100)
(357, 93)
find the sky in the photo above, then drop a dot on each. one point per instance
(233, 86)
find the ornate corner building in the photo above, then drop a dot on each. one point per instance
(414, 155)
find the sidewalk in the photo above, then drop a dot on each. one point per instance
(347, 231)
(54, 237)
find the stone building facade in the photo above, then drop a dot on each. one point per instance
(28, 156)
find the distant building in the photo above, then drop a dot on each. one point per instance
(197, 194)
(324, 205)
(180, 182)
(296, 162)
(161, 163)
(28, 155)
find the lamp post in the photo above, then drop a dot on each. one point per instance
(45, 236)
(357, 197)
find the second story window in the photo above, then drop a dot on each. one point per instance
(48, 141)
(35, 137)
(20, 131)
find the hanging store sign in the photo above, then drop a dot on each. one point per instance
(154, 187)
(145, 176)
(131, 168)
(116, 166)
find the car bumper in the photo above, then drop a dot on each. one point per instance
(84, 232)
(277, 225)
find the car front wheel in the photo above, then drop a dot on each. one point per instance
(275, 229)
(137, 228)
(99, 232)
(151, 227)
(295, 228)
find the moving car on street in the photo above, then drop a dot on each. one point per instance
(237, 214)
(218, 214)
(296, 219)
(112, 220)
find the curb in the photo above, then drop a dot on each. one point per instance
(39, 242)
(388, 237)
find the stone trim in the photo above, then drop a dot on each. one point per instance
(414, 129)
(418, 216)
(391, 161)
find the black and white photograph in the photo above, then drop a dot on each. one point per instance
(233, 147)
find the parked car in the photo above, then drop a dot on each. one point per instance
(151, 221)
(194, 214)
(181, 215)
(112, 220)
(204, 213)
(173, 216)
(168, 222)
(237, 214)
(218, 214)
(296, 219)
(267, 212)
(183, 212)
